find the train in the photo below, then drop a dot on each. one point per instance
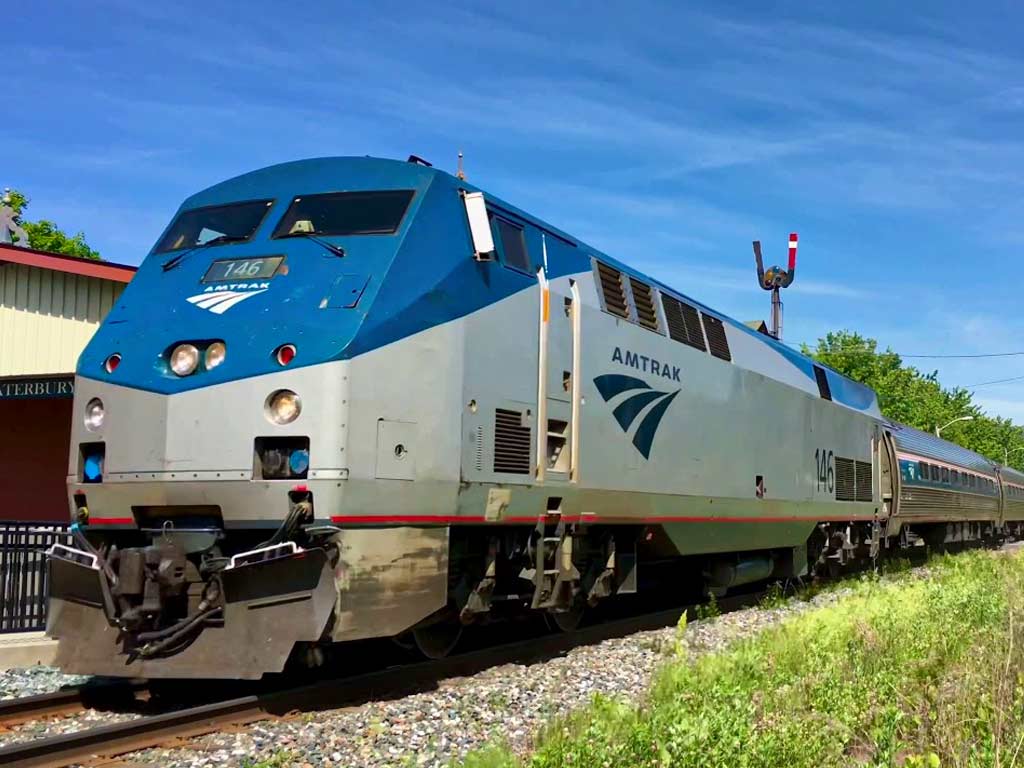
(353, 398)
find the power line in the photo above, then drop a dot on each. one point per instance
(995, 381)
(870, 351)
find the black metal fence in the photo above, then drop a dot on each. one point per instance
(23, 585)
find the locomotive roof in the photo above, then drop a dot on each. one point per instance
(928, 446)
(323, 174)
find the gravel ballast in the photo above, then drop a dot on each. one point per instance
(510, 703)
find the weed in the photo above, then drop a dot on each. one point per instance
(708, 610)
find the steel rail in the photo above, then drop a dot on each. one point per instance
(68, 700)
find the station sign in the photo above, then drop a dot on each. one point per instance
(36, 387)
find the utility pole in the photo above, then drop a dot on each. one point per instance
(774, 280)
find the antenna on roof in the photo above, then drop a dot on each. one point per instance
(460, 174)
(774, 279)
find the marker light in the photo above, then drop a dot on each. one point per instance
(92, 469)
(298, 462)
(283, 406)
(94, 413)
(111, 363)
(285, 354)
(184, 359)
(215, 354)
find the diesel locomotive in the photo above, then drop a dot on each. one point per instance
(351, 398)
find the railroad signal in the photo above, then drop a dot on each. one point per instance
(774, 279)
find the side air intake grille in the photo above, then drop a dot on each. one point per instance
(718, 344)
(823, 388)
(511, 443)
(853, 480)
(643, 300)
(864, 490)
(613, 290)
(683, 322)
(846, 480)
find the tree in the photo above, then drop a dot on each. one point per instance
(45, 235)
(917, 399)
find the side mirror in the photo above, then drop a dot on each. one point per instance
(479, 226)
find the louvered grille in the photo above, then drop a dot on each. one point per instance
(718, 344)
(683, 322)
(865, 492)
(846, 480)
(479, 448)
(643, 301)
(613, 290)
(511, 443)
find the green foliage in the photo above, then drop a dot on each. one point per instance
(903, 671)
(708, 610)
(907, 395)
(45, 235)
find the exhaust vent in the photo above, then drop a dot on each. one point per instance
(613, 291)
(479, 449)
(643, 300)
(511, 443)
(683, 322)
(718, 344)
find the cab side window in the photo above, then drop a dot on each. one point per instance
(511, 242)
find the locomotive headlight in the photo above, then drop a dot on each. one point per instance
(283, 406)
(184, 359)
(94, 413)
(215, 354)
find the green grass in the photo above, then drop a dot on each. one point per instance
(904, 671)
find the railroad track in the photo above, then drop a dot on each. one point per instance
(98, 745)
(68, 701)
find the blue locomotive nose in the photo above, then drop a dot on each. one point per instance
(272, 258)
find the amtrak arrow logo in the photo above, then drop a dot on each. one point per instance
(626, 412)
(220, 302)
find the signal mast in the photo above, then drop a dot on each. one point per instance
(774, 280)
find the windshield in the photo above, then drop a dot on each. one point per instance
(345, 213)
(226, 223)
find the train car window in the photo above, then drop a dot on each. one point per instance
(512, 244)
(922, 467)
(936, 474)
(974, 481)
(213, 225)
(945, 474)
(954, 477)
(345, 213)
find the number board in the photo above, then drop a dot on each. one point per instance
(258, 268)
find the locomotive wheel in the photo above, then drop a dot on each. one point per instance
(567, 621)
(436, 641)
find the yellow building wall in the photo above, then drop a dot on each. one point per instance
(47, 317)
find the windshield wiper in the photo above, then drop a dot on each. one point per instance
(337, 250)
(174, 261)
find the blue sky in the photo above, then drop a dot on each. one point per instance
(890, 136)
